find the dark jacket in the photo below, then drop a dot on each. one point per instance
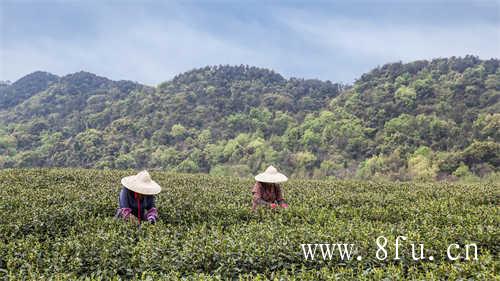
(128, 205)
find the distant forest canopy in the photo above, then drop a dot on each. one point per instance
(424, 120)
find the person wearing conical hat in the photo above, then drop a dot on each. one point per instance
(267, 191)
(136, 200)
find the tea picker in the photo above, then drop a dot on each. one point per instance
(267, 191)
(136, 199)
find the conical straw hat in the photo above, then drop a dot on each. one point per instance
(141, 183)
(271, 175)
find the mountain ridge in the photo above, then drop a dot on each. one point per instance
(235, 119)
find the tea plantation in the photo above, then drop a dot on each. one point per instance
(58, 224)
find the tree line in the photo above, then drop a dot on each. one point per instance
(424, 120)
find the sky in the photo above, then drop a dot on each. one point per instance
(152, 41)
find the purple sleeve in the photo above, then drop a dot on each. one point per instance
(152, 214)
(123, 213)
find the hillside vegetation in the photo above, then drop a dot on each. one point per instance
(423, 120)
(58, 224)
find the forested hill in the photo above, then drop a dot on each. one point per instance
(422, 120)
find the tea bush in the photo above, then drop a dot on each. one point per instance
(58, 224)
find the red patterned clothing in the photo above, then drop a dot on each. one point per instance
(266, 192)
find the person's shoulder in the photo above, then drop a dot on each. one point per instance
(256, 187)
(124, 191)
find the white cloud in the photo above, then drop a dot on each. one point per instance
(146, 52)
(384, 41)
(141, 49)
(135, 45)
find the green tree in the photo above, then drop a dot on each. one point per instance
(178, 131)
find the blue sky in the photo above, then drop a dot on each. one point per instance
(151, 41)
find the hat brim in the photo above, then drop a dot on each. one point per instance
(274, 178)
(150, 188)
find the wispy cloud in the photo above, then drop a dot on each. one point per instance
(395, 41)
(151, 43)
(147, 52)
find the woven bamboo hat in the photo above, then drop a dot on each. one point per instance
(141, 183)
(271, 175)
